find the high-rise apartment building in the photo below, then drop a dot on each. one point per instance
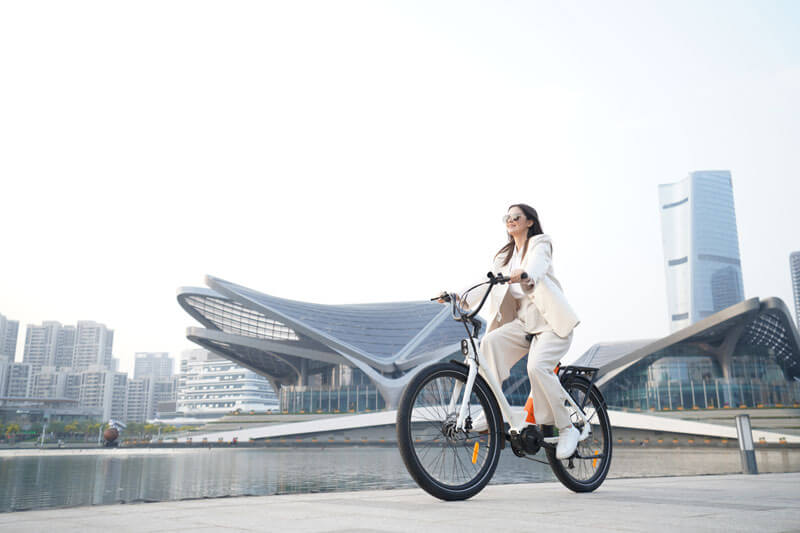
(50, 344)
(104, 389)
(5, 366)
(8, 337)
(48, 383)
(701, 246)
(41, 343)
(145, 395)
(211, 385)
(156, 365)
(165, 391)
(93, 343)
(18, 383)
(794, 265)
(65, 347)
(140, 400)
(72, 386)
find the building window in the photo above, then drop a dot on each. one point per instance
(676, 204)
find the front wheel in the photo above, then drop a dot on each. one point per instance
(587, 468)
(449, 464)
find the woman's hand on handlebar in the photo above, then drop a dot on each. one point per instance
(520, 276)
(443, 298)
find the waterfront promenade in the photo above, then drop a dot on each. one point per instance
(766, 502)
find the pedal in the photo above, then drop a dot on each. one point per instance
(517, 445)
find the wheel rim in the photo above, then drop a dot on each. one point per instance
(592, 456)
(442, 452)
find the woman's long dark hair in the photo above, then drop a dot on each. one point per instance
(535, 229)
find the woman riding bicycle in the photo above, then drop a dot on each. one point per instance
(532, 306)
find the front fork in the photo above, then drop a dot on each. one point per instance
(462, 412)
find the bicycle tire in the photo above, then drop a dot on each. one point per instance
(593, 455)
(426, 449)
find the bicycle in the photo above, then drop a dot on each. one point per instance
(451, 461)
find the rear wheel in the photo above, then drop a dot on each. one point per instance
(588, 467)
(449, 464)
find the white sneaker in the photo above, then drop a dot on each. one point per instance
(567, 442)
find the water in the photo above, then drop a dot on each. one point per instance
(117, 476)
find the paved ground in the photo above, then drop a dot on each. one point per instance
(766, 502)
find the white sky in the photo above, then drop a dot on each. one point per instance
(343, 152)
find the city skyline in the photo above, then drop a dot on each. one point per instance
(326, 156)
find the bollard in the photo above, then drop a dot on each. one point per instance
(745, 434)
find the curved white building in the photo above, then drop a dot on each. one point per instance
(317, 357)
(212, 385)
(701, 246)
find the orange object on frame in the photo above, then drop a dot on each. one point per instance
(529, 408)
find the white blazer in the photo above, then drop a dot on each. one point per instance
(547, 295)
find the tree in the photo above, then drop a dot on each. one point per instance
(92, 429)
(150, 429)
(72, 428)
(135, 428)
(56, 428)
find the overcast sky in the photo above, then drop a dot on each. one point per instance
(346, 152)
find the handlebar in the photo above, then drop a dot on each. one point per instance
(461, 314)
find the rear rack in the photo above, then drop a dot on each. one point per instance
(570, 370)
(585, 372)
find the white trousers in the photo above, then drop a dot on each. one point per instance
(501, 348)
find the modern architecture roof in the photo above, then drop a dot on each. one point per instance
(753, 322)
(285, 339)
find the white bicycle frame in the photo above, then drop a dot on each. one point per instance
(516, 421)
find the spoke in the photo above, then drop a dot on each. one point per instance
(448, 461)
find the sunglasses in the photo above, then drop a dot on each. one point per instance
(511, 218)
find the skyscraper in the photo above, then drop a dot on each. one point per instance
(701, 246)
(104, 389)
(156, 365)
(93, 344)
(48, 383)
(49, 345)
(65, 347)
(19, 380)
(8, 337)
(794, 265)
(140, 401)
(40, 345)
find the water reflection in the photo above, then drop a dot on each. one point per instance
(70, 480)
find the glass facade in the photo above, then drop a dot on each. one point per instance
(687, 377)
(237, 319)
(701, 247)
(349, 399)
(794, 266)
(360, 395)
